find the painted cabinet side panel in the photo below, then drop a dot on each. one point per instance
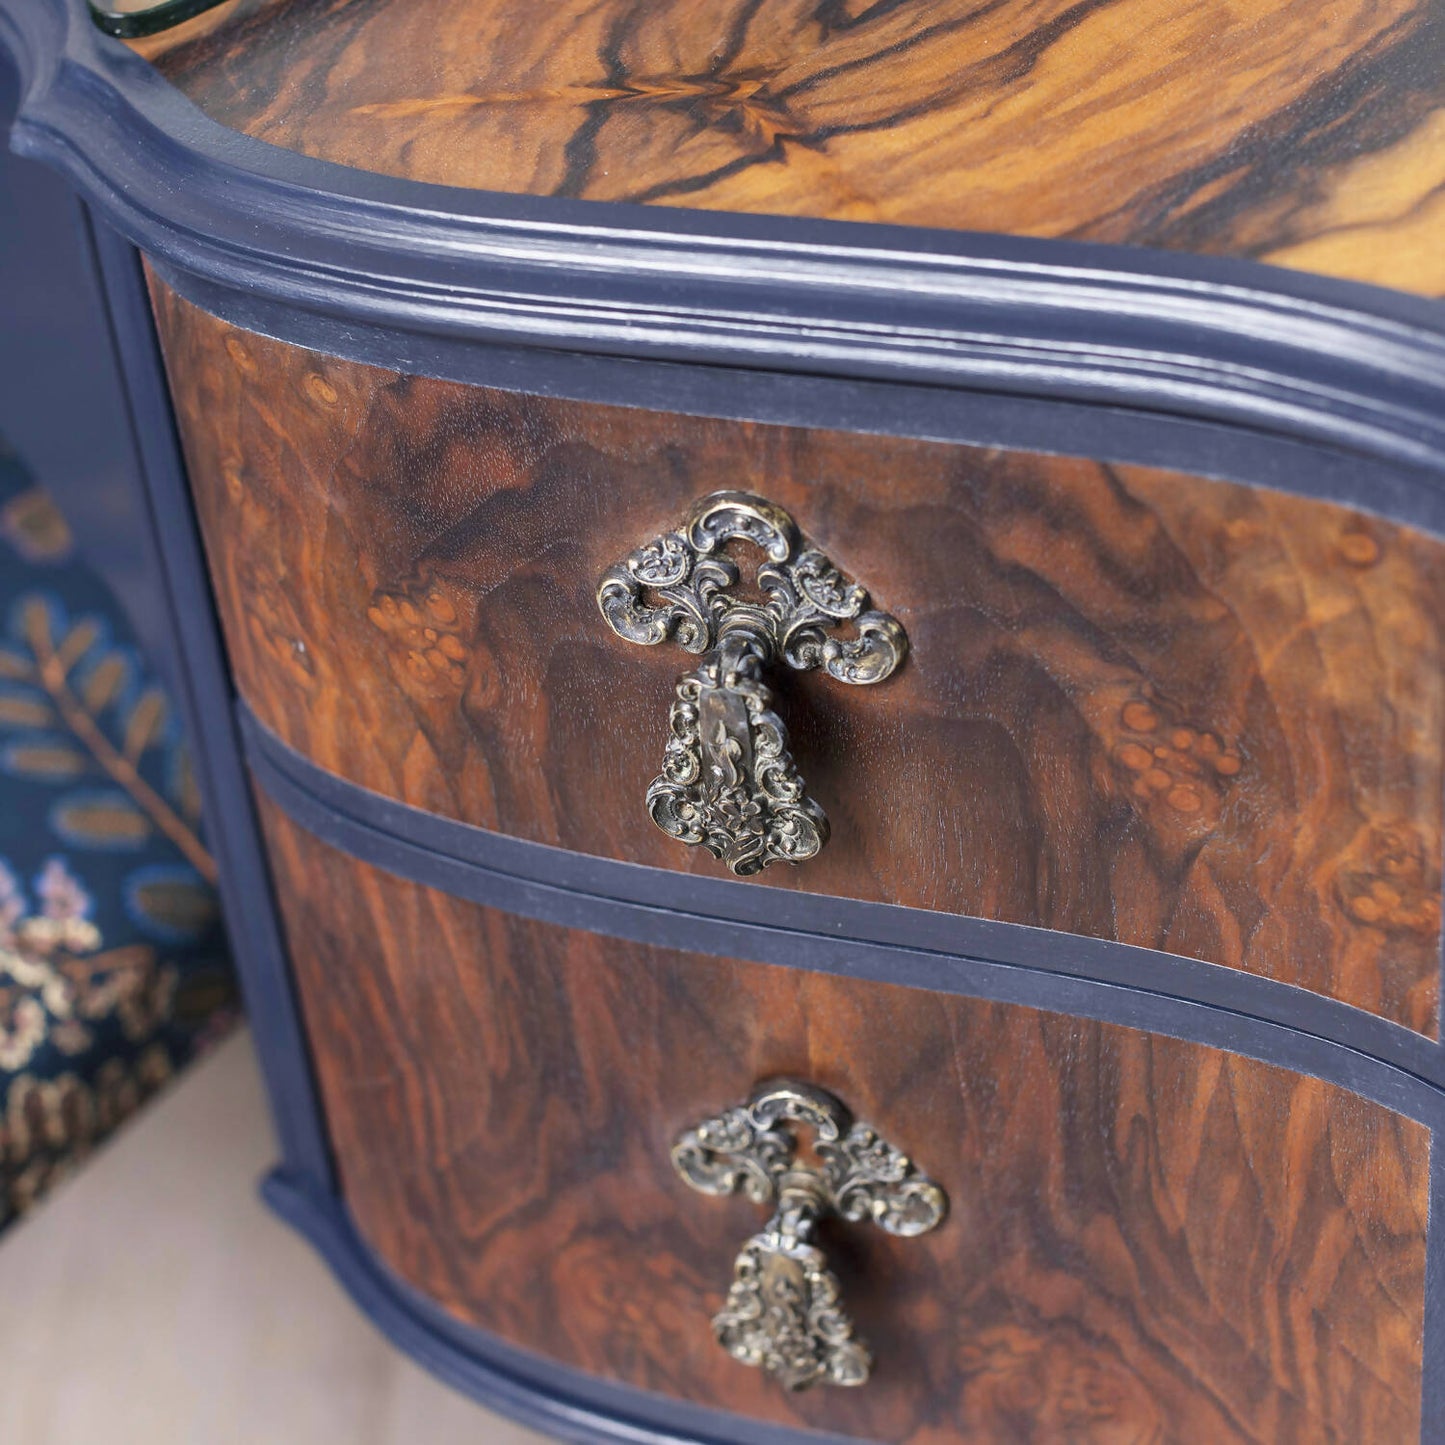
(1185, 714)
(1150, 1240)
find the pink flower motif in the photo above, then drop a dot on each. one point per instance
(61, 895)
(63, 923)
(12, 906)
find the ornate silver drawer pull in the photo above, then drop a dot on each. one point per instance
(783, 1312)
(728, 780)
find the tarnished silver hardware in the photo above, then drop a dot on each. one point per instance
(783, 1312)
(728, 781)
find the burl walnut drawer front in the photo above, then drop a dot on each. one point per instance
(1147, 1239)
(1180, 713)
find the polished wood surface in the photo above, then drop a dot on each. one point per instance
(1308, 135)
(1149, 1240)
(1184, 714)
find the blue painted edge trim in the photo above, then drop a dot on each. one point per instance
(1432, 1384)
(562, 1401)
(1358, 366)
(206, 704)
(945, 953)
(812, 931)
(1115, 433)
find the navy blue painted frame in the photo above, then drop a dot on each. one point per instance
(205, 698)
(1115, 433)
(1204, 337)
(1328, 388)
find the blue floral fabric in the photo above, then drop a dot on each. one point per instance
(113, 965)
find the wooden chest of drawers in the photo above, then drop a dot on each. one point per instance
(1016, 436)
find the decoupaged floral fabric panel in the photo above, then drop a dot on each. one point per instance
(113, 966)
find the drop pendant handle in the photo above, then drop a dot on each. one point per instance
(728, 781)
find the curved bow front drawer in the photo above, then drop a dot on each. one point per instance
(1182, 713)
(1145, 1238)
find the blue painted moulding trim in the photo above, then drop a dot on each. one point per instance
(947, 953)
(884, 408)
(205, 700)
(1210, 338)
(1432, 1385)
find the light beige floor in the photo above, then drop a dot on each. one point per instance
(153, 1301)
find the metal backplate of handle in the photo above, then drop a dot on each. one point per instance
(783, 1312)
(728, 781)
